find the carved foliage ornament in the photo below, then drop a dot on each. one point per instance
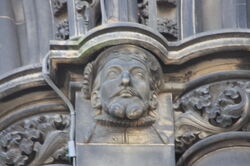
(59, 6)
(62, 32)
(35, 141)
(210, 109)
(164, 25)
(122, 84)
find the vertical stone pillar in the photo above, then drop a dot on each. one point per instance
(9, 50)
(198, 16)
(119, 10)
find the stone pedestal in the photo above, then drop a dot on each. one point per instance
(99, 145)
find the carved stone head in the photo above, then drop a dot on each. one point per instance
(122, 84)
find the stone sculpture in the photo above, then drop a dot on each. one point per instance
(122, 85)
(125, 85)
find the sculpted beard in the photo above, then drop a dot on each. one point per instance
(131, 107)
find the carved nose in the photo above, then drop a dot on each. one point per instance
(125, 78)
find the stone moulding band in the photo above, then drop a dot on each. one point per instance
(132, 33)
(214, 143)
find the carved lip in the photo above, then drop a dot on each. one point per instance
(127, 93)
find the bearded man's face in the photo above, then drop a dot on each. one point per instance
(125, 88)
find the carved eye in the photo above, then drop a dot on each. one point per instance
(139, 74)
(112, 74)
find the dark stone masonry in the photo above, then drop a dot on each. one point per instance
(124, 82)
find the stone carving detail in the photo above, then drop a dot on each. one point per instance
(62, 30)
(35, 141)
(123, 84)
(59, 6)
(143, 11)
(81, 5)
(120, 104)
(211, 109)
(61, 25)
(164, 25)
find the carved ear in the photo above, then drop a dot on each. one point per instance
(153, 103)
(96, 100)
